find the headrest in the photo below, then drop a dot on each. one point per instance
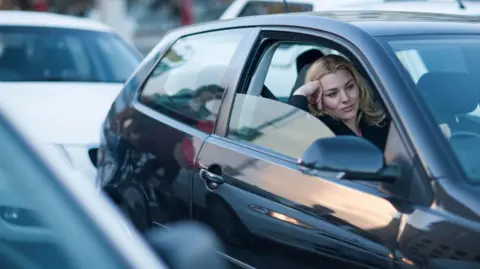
(301, 77)
(449, 93)
(308, 57)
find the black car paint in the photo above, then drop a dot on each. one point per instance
(428, 216)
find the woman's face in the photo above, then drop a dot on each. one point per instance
(341, 95)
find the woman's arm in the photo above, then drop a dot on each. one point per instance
(299, 101)
(310, 92)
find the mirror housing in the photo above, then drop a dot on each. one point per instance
(353, 157)
(187, 245)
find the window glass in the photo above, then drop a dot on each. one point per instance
(265, 7)
(445, 71)
(274, 125)
(187, 83)
(26, 54)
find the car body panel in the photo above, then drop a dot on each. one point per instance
(61, 112)
(300, 221)
(157, 151)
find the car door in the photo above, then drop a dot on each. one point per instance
(269, 214)
(162, 129)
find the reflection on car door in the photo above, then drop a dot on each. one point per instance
(269, 214)
(162, 132)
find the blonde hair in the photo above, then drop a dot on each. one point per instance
(368, 110)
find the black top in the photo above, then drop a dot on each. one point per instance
(375, 134)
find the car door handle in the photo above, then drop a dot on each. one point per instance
(211, 177)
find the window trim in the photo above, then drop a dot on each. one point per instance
(169, 41)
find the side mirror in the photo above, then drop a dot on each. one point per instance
(187, 245)
(353, 157)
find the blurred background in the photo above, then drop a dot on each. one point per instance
(142, 22)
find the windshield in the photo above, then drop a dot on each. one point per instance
(58, 54)
(446, 72)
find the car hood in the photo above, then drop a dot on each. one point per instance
(59, 112)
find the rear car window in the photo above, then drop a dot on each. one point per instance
(56, 54)
(264, 7)
(187, 84)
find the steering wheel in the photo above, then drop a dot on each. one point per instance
(465, 133)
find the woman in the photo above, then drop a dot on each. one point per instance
(335, 92)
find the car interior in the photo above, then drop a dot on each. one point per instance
(464, 135)
(302, 63)
(457, 113)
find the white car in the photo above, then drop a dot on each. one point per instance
(242, 8)
(60, 74)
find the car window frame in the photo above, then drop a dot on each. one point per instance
(359, 58)
(162, 49)
(266, 37)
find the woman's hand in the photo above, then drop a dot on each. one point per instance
(313, 91)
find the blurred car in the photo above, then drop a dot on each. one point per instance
(243, 8)
(207, 138)
(51, 217)
(60, 74)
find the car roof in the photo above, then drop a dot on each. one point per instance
(376, 23)
(46, 19)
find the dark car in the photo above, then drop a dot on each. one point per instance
(207, 137)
